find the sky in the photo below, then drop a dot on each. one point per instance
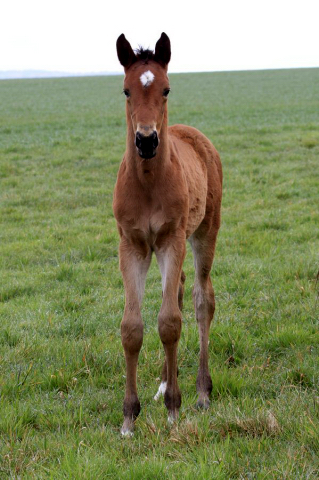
(80, 36)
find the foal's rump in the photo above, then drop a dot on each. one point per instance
(201, 165)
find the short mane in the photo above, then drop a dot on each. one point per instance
(144, 54)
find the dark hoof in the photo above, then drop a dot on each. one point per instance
(172, 417)
(203, 404)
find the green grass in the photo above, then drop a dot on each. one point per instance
(61, 296)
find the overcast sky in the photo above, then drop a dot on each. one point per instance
(80, 36)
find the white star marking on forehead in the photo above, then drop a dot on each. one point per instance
(147, 78)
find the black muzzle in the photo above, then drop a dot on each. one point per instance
(146, 145)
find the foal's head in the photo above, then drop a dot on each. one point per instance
(146, 88)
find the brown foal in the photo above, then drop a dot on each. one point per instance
(168, 189)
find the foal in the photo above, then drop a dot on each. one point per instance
(168, 189)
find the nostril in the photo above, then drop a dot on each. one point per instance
(138, 140)
(155, 139)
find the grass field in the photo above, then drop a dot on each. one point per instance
(61, 296)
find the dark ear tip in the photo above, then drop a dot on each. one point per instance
(163, 50)
(125, 53)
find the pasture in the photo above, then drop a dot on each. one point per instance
(61, 295)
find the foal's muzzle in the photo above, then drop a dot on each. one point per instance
(146, 144)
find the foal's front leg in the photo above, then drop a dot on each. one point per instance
(134, 264)
(170, 259)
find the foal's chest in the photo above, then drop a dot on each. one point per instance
(156, 222)
(147, 218)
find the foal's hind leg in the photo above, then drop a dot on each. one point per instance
(181, 291)
(204, 302)
(162, 388)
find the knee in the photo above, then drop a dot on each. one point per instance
(169, 327)
(132, 335)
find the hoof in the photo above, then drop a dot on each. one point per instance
(172, 417)
(203, 403)
(127, 429)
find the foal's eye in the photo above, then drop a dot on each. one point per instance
(126, 92)
(166, 92)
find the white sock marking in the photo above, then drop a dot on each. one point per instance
(161, 390)
(171, 419)
(147, 78)
(126, 433)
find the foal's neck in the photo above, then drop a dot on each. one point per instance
(147, 170)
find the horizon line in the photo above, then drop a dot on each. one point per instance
(43, 74)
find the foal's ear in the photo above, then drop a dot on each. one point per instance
(125, 52)
(163, 50)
